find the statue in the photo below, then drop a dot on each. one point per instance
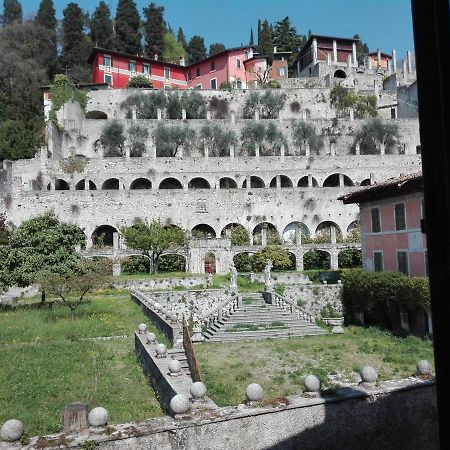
(267, 277)
(197, 335)
(234, 274)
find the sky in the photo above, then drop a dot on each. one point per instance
(384, 24)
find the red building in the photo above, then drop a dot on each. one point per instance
(391, 214)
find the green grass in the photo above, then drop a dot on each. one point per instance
(49, 360)
(280, 365)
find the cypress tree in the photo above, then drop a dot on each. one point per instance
(12, 12)
(46, 18)
(266, 41)
(181, 38)
(196, 49)
(128, 35)
(102, 34)
(154, 30)
(259, 33)
(251, 42)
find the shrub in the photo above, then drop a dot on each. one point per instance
(135, 264)
(217, 140)
(350, 258)
(303, 131)
(113, 139)
(146, 104)
(138, 136)
(316, 259)
(169, 139)
(174, 106)
(239, 235)
(295, 106)
(195, 105)
(278, 256)
(139, 82)
(243, 262)
(73, 164)
(272, 84)
(328, 311)
(219, 108)
(225, 85)
(268, 138)
(172, 263)
(343, 99)
(269, 105)
(376, 132)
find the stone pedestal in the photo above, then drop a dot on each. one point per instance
(75, 417)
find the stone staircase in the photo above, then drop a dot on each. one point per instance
(257, 320)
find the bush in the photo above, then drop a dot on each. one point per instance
(140, 82)
(243, 262)
(112, 139)
(279, 257)
(344, 99)
(376, 132)
(316, 259)
(225, 85)
(135, 264)
(272, 84)
(217, 140)
(146, 105)
(350, 258)
(303, 131)
(138, 136)
(172, 263)
(269, 139)
(219, 108)
(195, 105)
(168, 140)
(329, 312)
(269, 105)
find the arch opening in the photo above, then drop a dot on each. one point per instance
(334, 180)
(303, 182)
(102, 237)
(266, 234)
(80, 186)
(227, 183)
(203, 231)
(111, 184)
(340, 74)
(141, 183)
(255, 183)
(198, 183)
(285, 182)
(317, 259)
(237, 233)
(365, 182)
(290, 233)
(323, 232)
(98, 115)
(61, 185)
(170, 183)
(210, 263)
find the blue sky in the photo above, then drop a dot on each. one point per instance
(384, 24)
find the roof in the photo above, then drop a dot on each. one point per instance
(79, 85)
(153, 61)
(308, 43)
(387, 55)
(393, 187)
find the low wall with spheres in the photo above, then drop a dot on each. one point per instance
(313, 297)
(162, 283)
(280, 277)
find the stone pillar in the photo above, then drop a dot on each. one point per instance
(310, 183)
(264, 235)
(121, 184)
(409, 61)
(206, 147)
(332, 149)
(314, 50)
(372, 178)
(75, 417)
(335, 59)
(304, 114)
(231, 151)
(349, 61)
(357, 149)
(248, 181)
(180, 152)
(382, 149)
(233, 117)
(394, 61)
(389, 67)
(341, 180)
(117, 266)
(257, 114)
(183, 114)
(86, 184)
(282, 150)
(299, 262)
(133, 112)
(378, 58)
(159, 114)
(278, 181)
(208, 115)
(404, 69)
(333, 235)
(52, 184)
(334, 261)
(352, 114)
(369, 62)
(307, 150)
(257, 151)
(354, 58)
(280, 116)
(329, 59)
(298, 236)
(127, 150)
(152, 150)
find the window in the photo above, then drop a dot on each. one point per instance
(198, 86)
(400, 217)
(245, 54)
(402, 262)
(378, 261)
(393, 113)
(282, 71)
(214, 83)
(132, 66)
(198, 72)
(108, 79)
(189, 76)
(376, 221)
(166, 72)
(238, 63)
(146, 69)
(213, 66)
(107, 61)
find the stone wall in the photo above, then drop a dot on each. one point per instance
(313, 297)
(163, 283)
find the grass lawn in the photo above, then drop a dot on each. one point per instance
(49, 359)
(280, 365)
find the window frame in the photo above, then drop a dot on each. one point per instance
(130, 62)
(110, 76)
(378, 252)
(198, 86)
(110, 61)
(213, 66)
(149, 69)
(405, 252)
(396, 217)
(211, 81)
(198, 72)
(166, 71)
(372, 221)
(238, 63)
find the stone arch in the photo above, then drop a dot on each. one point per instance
(272, 235)
(203, 231)
(82, 183)
(210, 262)
(353, 226)
(289, 232)
(317, 259)
(334, 181)
(61, 185)
(285, 182)
(99, 115)
(227, 183)
(293, 259)
(255, 183)
(141, 183)
(111, 184)
(102, 236)
(303, 182)
(365, 182)
(339, 74)
(228, 230)
(170, 183)
(198, 183)
(324, 230)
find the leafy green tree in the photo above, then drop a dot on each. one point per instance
(12, 12)
(217, 140)
(173, 50)
(268, 105)
(154, 30)
(138, 136)
(46, 18)
(127, 28)
(113, 139)
(376, 132)
(153, 239)
(75, 44)
(72, 287)
(181, 38)
(196, 49)
(265, 43)
(18, 141)
(362, 49)
(279, 257)
(269, 139)
(101, 27)
(239, 235)
(195, 104)
(146, 104)
(139, 82)
(350, 258)
(303, 131)
(216, 48)
(343, 99)
(169, 139)
(243, 262)
(316, 259)
(41, 243)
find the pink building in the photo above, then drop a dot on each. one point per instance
(392, 231)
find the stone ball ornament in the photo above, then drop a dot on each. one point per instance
(98, 417)
(11, 430)
(151, 337)
(198, 389)
(142, 328)
(180, 404)
(254, 392)
(175, 366)
(161, 350)
(368, 374)
(312, 383)
(424, 367)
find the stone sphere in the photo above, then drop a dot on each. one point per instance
(312, 383)
(368, 374)
(11, 430)
(142, 328)
(174, 366)
(156, 306)
(198, 389)
(424, 367)
(161, 349)
(339, 282)
(151, 337)
(180, 404)
(98, 417)
(324, 282)
(254, 392)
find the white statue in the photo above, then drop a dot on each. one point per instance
(234, 274)
(267, 277)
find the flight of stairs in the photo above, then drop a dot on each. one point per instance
(254, 313)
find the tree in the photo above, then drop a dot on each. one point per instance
(173, 50)
(252, 40)
(72, 287)
(12, 12)
(154, 30)
(113, 140)
(362, 49)
(169, 140)
(101, 26)
(343, 99)
(75, 44)
(181, 39)
(140, 82)
(216, 48)
(41, 243)
(153, 239)
(46, 18)
(217, 140)
(128, 35)
(259, 34)
(196, 49)
(278, 256)
(265, 45)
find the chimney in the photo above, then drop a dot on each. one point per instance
(182, 61)
(156, 57)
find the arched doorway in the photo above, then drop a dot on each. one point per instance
(103, 236)
(210, 263)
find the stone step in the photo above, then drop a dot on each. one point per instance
(229, 337)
